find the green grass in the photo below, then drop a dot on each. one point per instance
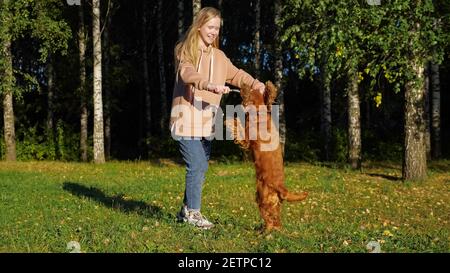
(131, 207)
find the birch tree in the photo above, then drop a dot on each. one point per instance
(407, 42)
(41, 20)
(7, 77)
(82, 88)
(99, 144)
(391, 40)
(354, 121)
(196, 7)
(329, 35)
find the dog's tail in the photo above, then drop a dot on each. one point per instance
(292, 196)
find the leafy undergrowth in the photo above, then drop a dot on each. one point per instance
(131, 207)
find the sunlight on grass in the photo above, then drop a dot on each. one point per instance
(131, 207)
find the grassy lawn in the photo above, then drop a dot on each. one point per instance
(131, 207)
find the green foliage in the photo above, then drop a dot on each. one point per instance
(408, 33)
(376, 148)
(34, 144)
(68, 142)
(48, 27)
(350, 36)
(37, 19)
(325, 33)
(165, 147)
(304, 148)
(339, 145)
(28, 83)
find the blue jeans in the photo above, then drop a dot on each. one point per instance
(195, 152)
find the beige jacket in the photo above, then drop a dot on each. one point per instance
(193, 107)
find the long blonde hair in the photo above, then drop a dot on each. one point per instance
(188, 45)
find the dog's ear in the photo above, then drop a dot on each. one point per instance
(271, 93)
(245, 94)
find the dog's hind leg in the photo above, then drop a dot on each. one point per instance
(269, 207)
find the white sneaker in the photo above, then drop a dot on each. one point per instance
(194, 217)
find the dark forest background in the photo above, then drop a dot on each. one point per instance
(382, 126)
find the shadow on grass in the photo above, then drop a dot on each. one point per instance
(167, 162)
(382, 165)
(440, 166)
(385, 176)
(117, 202)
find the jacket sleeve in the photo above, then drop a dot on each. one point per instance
(239, 77)
(189, 75)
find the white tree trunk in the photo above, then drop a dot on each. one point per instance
(415, 156)
(8, 109)
(9, 130)
(6, 74)
(354, 123)
(196, 7)
(82, 88)
(99, 147)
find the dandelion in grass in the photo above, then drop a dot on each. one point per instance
(73, 247)
(373, 247)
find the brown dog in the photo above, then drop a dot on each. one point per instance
(266, 151)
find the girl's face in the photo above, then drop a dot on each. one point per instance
(209, 31)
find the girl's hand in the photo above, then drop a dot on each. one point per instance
(218, 89)
(260, 87)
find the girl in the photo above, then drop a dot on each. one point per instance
(202, 71)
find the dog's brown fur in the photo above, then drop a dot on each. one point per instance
(270, 188)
